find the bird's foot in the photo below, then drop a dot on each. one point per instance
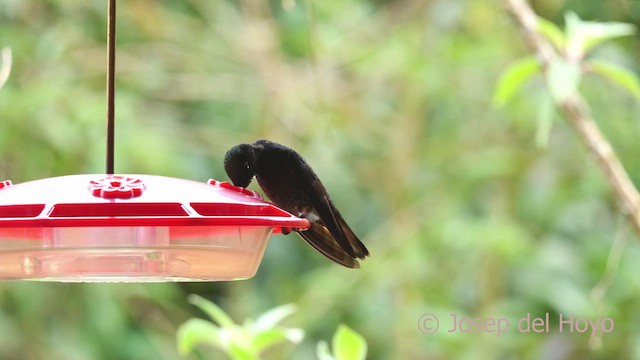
(285, 231)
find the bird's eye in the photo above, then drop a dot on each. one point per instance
(246, 165)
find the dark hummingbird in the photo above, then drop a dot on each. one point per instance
(291, 184)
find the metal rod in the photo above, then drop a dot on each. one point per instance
(111, 82)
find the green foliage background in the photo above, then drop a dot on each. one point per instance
(390, 101)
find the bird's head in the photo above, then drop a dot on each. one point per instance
(240, 164)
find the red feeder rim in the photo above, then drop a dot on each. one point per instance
(134, 228)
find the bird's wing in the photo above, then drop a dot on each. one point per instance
(358, 247)
(317, 194)
(321, 239)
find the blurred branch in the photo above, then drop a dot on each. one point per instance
(5, 69)
(577, 113)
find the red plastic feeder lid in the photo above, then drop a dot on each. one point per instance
(134, 228)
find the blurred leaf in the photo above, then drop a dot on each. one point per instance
(195, 332)
(572, 25)
(266, 333)
(212, 310)
(5, 65)
(544, 120)
(322, 351)
(618, 75)
(552, 32)
(348, 344)
(513, 78)
(269, 337)
(237, 352)
(242, 342)
(583, 36)
(272, 317)
(597, 33)
(563, 78)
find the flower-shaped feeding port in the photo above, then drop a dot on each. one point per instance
(227, 185)
(116, 187)
(134, 228)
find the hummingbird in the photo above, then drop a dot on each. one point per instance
(291, 184)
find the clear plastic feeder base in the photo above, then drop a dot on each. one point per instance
(132, 254)
(134, 228)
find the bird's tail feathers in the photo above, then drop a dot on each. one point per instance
(321, 239)
(358, 247)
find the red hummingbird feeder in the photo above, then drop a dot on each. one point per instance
(133, 228)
